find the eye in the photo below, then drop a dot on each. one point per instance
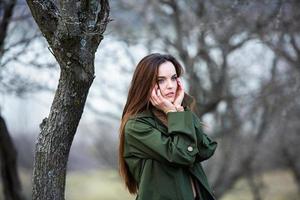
(174, 78)
(160, 81)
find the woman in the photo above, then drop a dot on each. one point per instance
(161, 140)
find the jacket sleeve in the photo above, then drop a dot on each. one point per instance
(178, 146)
(206, 146)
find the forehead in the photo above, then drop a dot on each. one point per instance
(166, 69)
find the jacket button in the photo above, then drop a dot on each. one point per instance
(190, 148)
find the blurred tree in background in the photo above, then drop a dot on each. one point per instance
(12, 189)
(206, 36)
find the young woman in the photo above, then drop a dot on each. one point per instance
(161, 140)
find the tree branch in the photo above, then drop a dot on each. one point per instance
(46, 16)
(8, 12)
(295, 46)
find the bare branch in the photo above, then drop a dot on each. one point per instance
(295, 45)
(5, 20)
(46, 15)
(281, 52)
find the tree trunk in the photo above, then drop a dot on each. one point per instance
(6, 13)
(73, 31)
(8, 164)
(8, 154)
(292, 163)
(255, 186)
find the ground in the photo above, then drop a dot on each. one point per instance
(106, 185)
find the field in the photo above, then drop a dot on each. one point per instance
(106, 185)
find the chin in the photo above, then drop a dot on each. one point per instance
(171, 99)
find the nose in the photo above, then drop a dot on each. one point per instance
(170, 84)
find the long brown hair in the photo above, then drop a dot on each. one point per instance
(142, 83)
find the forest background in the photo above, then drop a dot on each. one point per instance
(242, 65)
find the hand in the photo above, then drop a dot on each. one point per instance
(160, 102)
(179, 94)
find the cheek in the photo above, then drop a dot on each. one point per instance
(162, 88)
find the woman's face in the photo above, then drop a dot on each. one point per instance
(167, 80)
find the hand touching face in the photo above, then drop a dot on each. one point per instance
(167, 81)
(159, 101)
(179, 93)
(168, 93)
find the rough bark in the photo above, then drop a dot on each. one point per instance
(73, 30)
(8, 164)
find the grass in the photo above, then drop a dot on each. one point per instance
(277, 185)
(95, 185)
(106, 185)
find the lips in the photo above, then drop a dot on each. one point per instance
(170, 94)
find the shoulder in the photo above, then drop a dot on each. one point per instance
(140, 122)
(145, 116)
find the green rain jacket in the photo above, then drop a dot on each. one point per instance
(163, 159)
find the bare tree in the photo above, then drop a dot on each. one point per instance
(282, 36)
(8, 154)
(8, 7)
(287, 119)
(204, 35)
(8, 163)
(73, 31)
(284, 39)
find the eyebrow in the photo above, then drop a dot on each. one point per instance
(165, 77)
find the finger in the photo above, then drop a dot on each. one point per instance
(153, 93)
(159, 98)
(155, 88)
(154, 102)
(180, 83)
(159, 95)
(163, 100)
(158, 92)
(155, 97)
